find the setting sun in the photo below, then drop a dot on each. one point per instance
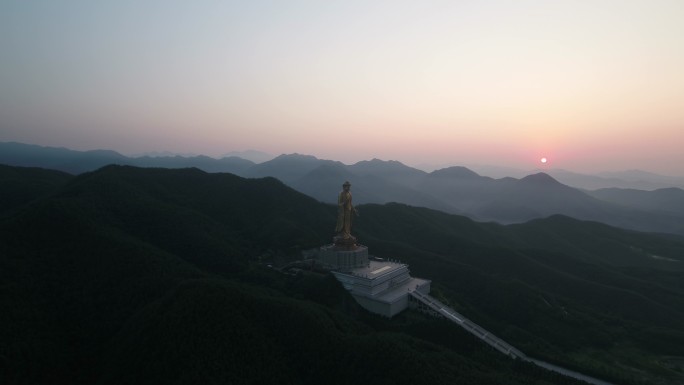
(543, 160)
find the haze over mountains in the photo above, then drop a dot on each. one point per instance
(631, 179)
(456, 190)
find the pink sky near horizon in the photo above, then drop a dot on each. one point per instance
(592, 86)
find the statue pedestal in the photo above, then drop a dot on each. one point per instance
(344, 254)
(342, 243)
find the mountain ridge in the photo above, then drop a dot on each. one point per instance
(456, 189)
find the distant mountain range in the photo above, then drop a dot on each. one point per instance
(77, 162)
(251, 155)
(457, 190)
(631, 179)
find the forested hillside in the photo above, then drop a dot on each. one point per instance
(129, 275)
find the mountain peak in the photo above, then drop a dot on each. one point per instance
(456, 172)
(540, 178)
(376, 161)
(295, 156)
(385, 167)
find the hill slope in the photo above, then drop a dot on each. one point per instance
(21, 185)
(125, 275)
(128, 275)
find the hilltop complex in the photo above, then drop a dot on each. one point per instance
(380, 286)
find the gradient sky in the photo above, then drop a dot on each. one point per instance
(592, 85)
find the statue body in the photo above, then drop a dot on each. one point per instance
(345, 210)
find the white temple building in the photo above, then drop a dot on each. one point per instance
(381, 287)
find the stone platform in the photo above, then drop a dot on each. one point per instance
(382, 287)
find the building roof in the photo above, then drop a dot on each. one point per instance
(398, 291)
(377, 269)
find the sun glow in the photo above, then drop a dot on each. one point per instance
(543, 160)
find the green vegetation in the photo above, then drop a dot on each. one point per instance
(128, 275)
(21, 185)
(570, 292)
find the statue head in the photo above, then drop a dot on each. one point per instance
(346, 185)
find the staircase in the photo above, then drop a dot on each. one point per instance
(455, 317)
(427, 302)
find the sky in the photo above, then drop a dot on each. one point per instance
(591, 85)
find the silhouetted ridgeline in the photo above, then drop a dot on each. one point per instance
(455, 190)
(129, 275)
